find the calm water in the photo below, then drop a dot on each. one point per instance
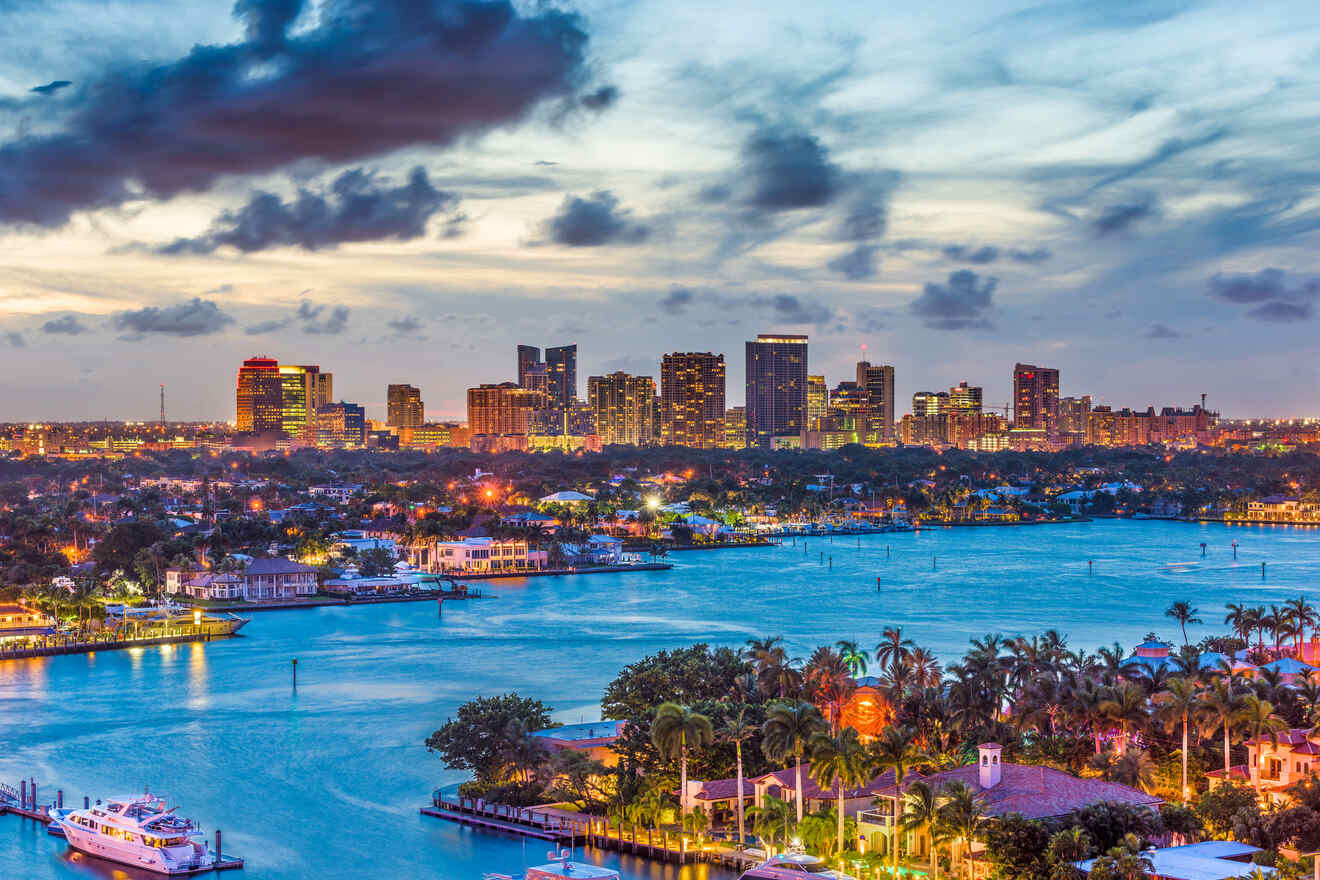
(327, 782)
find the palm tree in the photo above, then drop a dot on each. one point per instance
(840, 761)
(826, 680)
(893, 648)
(1303, 615)
(1126, 707)
(1258, 717)
(921, 812)
(962, 812)
(674, 732)
(772, 816)
(1184, 613)
(1087, 700)
(787, 730)
(1239, 620)
(853, 655)
(1179, 703)
(737, 730)
(1220, 702)
(896, 749)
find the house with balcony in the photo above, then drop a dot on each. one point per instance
(260, 580)
(474, 555)
(20, 622)
(1275, 765)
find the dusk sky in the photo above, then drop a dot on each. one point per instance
(402, 191)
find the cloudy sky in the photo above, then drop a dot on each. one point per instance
(403, 190)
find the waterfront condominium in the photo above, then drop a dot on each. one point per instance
(503, 409)
(877, 386)
(404, 407)
(623, 407)
(259, 396)
(692, 388)
(1036, 399)
(776, 388)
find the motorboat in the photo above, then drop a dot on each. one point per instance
(137, 830)
(560, 867)
(791, 866)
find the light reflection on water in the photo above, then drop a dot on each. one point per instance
(326, 782)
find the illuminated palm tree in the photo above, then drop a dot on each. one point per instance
(1258, 717)
(962, 813)
(1179, 703)
(921, 812)
(854, 656)
(1184, 613)
(1126, 707)
(1303, 615)
(896, 749)
(893, 648)
(738, 730)
(675, 731)
(1221, 703)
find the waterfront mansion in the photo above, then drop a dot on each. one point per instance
(1275, 765)
(261, 580)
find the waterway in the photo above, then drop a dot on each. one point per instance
(325, 782)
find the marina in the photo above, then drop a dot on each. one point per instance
(374, 681)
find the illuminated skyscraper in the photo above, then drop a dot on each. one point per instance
(877, 383)
(735, 427)
(404, 407)
(1074, 413)
(341, 424)
(623, 407)
(818, 401)
(259, 397)
(501, 409)
(929, 403)
(1036, 399)
(561, 370)
(965, 398)
(299, 390)
(776, 388)
(529, 357)
(692, 386)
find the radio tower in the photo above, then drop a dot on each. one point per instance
(162, 406)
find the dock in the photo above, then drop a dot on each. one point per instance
(55, 645)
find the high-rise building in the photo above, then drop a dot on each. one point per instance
(692, 386)
(776, 388)
(561, 369)
(529, 357)
(341, 424)
(1074, 415)
(404, 407)
(965, 398)
(877, 384)
(818, 401)
(623, 407)
(735, 427)
(501, 409)
(259, 396)
(300, 399)
(1036, 399)
(930, 403)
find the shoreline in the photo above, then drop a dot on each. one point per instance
(204, 634)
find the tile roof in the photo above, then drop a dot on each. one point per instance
(277, 565)
(1037, 792)
(723, 789)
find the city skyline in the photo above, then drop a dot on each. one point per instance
(1125, 197)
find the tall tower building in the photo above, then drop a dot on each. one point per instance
(404, 407)
(341, 424)
(692, 386)
(623, 407)
(529, 357)
(322, 388)
(965, 398)
(297, 402)
(501, 409)
(1036, 399)
(561, 370)
(818, 401)
(930, 403)
(259, 396)
(776, 388)
(877, 383)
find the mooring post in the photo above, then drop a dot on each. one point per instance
(59, 798)
(295, 673)
(1090, 566)
(87, 802)
(219, 853)
(1262, 571)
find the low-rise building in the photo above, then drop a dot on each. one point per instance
(1208, 860)
(474, 555)
(20, 622)
(596, 739)
(261, 580)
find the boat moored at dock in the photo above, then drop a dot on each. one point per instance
(138, 830)
(560, 867)
(792, 866)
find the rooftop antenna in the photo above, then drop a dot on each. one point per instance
(162, 406)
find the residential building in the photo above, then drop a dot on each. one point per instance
(474, 555)
(818, 401)
(261, 580)
(561, 368)
(404, 407)
(595, 739)
(877, 384)
(503, 409)
(623, 407)
(1074, 414)
(20, 622)
(929, 403)
(1207, 860)
(340, 492)
(259, 396)
(430, 435)
(965, 398)
(1036, 399)
(692, 388)
(735, 427)
(341, 425)
(776, 385)
(529, 358)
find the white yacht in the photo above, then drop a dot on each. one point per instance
(793, 866)
(561, 867)
(137, 830)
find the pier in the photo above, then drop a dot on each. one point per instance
(53, 645)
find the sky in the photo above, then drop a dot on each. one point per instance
(404, 190)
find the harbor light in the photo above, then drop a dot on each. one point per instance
(653, 502)
(197, 618)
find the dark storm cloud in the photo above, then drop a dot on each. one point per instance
(334, 323)
(1274, 298)
(51, 88)
(67, 325)
(268, 326)
(962, 303)
(858, 264)
(965, 253)
(1119, 217)
(787, 170)
(371, 77)
(357, 207)
(195, 317)
(1033, 256)
(793, 309)
(1161, 331)
(676, 300)
(594, 220)
(866, 215)
(405, 326)
(600, 99)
